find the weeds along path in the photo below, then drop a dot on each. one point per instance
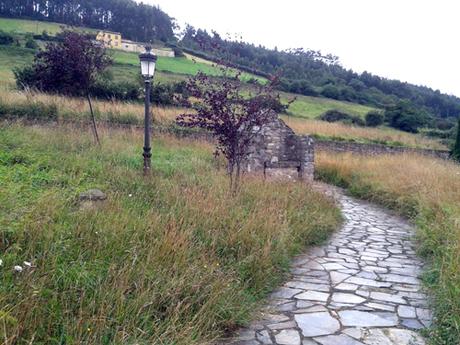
(362, 287)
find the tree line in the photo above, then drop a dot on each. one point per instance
(309, 72)
(135, 21)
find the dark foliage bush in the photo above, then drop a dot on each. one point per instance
(331, 91)
(301, 87)
(162, 94)
(456, 149)
(405, 117)
(6, 38)
(178, 52)
(25, 77)
(339, 116)
(31, 44)
(107, 89)
(374, 118)
(445, 124)
(167, 94)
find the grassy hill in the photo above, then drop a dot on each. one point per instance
(126, 68)
(23, 26)
(312, 107)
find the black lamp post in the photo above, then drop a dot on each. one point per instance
(148, 60)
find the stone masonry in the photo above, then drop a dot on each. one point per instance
(279, 153)
(375, 149)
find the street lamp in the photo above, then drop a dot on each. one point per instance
(148, 60)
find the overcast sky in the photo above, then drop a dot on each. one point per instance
(411, 40)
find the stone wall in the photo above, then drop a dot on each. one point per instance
(279, 153)
(374, 149)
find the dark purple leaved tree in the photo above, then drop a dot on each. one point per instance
(232, 111)
(69, 66)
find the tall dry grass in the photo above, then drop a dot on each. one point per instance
(170, 259)
(119, 112)
(428, 190)
(74, 108)
(377, 135)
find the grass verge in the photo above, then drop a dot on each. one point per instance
(427, 191)
(170, 259)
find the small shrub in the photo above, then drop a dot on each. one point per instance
(374, 118)
(339, 116)
(6, 38)
(124, 91)
(330, 91)
(178, 52)
(25, 77)
(334, 116)
(31, 44)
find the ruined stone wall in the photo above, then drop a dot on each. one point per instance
(279, 153)
(374, 149)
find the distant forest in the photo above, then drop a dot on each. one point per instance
(302, 71)
(134, 21)
(309, 72)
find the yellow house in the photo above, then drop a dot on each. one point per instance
(110, 39)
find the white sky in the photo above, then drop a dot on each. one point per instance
(411, 40)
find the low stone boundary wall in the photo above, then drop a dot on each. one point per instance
(374, 149)
(320, 145)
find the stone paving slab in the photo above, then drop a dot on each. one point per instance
(362, 287)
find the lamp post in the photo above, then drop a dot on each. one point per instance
(148, 60)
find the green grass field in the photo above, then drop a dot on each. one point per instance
(21, 26)
(11, 57)
(181, 66)
(312, 107)
(170, 259)
(126, 66)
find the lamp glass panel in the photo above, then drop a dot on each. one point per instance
(151, 68)
(145, 67)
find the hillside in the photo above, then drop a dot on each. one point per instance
(303, 71)
(24, 26)
(309, 72)
(173, 70)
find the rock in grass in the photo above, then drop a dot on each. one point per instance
(91, 199)
(93, 195)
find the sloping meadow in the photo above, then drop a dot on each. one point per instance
(428, 191)
(169, 259)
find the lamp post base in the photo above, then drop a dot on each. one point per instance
(147, 160)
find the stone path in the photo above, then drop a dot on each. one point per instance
(360, 288)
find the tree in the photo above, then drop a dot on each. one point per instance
(70, 66)
(405, 117)
(456, 150)
(224, 109)
(374, 118)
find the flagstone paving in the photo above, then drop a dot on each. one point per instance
(362, 287)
